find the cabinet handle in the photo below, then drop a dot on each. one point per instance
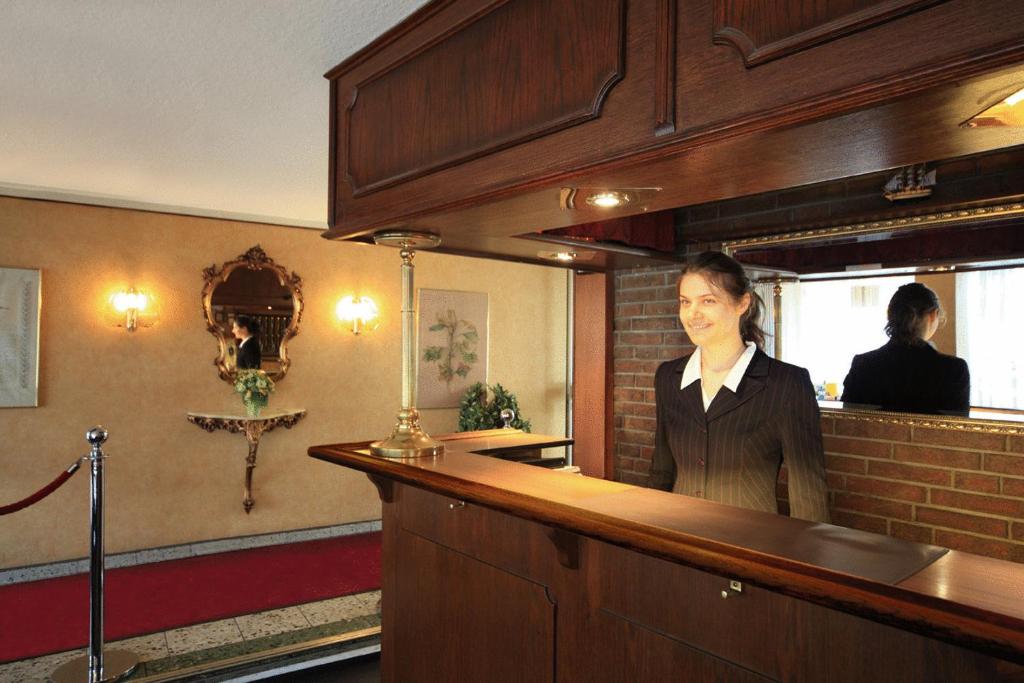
(734, 587)
(457, 505)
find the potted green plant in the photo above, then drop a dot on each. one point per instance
(477, 412)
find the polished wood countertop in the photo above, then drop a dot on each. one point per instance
(969, 600)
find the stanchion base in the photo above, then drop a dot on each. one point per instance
(117, 665)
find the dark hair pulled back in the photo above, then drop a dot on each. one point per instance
(908, 313)
(727, 274)
(249, 323)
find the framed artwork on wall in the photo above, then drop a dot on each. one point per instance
(452, 350)
(19, 337)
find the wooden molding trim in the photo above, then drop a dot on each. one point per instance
(385, 487)
(734, 25)
(947, 423)
(665, 68)
(990, 213)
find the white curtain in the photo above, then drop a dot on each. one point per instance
(990, 335)
(766, 291)
(824, 324)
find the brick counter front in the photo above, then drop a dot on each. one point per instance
(959, 489)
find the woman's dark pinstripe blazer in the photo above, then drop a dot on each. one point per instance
(732, 454)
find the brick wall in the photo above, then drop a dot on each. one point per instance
(955, 489)
(960, 490)
(647, 332)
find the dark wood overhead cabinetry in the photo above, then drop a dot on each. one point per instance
(467, 118)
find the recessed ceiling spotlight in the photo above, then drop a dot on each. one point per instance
(609, 199)
(566, 256)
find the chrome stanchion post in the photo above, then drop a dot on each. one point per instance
(96, 666)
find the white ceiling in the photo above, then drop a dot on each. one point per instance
(205, 107)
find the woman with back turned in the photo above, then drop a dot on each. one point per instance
(908, 374)
(728, 415)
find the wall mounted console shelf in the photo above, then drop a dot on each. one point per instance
(253, 428)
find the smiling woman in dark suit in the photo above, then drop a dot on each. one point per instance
(728, 416)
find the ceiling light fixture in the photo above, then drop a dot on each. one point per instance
(570, 198)
(1006, 112)
(608, 199)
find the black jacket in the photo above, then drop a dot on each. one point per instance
(911, 378)
(249, 354)
(733, 453)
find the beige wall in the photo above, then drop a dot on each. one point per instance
(169, 482)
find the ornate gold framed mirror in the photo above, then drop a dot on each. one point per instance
(252, 288)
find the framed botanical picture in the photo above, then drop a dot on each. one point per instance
(19, 337)
(452, 353)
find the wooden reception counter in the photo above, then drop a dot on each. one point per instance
(498, 571)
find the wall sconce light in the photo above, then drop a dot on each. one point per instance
(131, 304)
(360, 311)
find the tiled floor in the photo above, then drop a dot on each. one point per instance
(185, 647)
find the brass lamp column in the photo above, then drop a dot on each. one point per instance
(407, 440)
(777, 311)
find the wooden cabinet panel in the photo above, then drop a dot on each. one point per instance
(862, 650)
(625, 651)
(752, 64)
(470, 97)
(761, 32)
(504, 541)
(686, 605)
(517, 71)
(467, 119)
(457, 619)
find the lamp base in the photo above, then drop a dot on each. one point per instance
(407, 440)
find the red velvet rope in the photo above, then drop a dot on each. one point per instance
(41, 493)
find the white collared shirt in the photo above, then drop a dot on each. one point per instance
(691, 373)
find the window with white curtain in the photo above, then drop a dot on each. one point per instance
(990, 335)
(824, 324)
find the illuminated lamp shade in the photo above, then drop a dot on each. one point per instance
(361, 312)
(134, 309)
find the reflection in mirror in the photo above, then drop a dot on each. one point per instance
(831, 292)
(252, 296)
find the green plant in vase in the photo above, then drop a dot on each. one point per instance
(255, 387)
(476, 412)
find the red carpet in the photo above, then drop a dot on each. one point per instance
(52, 615)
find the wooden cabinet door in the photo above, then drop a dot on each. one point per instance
(758, 631)
(627, 651)
(458, 619)
(471, 96)
(745, 65)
